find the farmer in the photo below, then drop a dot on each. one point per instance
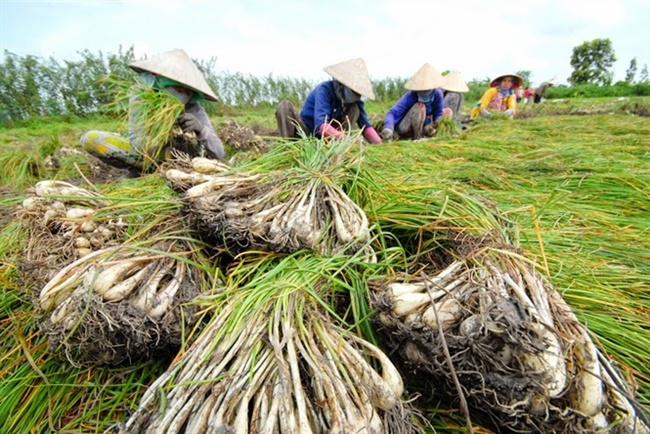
(333, 106)
(175, 73)
(499, 98)
(542, 89)
(420, 107)
(453, 87)
(529, 94)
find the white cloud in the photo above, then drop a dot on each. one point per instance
(297, 38)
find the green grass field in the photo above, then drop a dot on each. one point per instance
(576, 186)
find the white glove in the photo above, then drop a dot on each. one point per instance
(509, 112)
(485, 113)
(386, 134)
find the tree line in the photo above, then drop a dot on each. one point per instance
(32, 86)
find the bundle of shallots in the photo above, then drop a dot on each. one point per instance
(515, 348)
(121, 302)
(64, 225)
(287, 200)
(275, 359)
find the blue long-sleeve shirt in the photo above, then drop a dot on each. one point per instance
(322, 106)
(401, 107)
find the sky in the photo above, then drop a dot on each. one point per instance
(298, 38)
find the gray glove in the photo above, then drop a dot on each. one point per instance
(485, 113)
(509, 112)
(189, 122)
(386, 134)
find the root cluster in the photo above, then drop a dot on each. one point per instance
(516, 348)
(276, 374)
(62, 224)
(241, 212)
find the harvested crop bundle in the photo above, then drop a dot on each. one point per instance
(287, 200)
(121, 303)
(447, 128)
(518, 352)
(277, 359)
(240, 137)
(64, 223)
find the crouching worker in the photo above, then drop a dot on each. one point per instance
(169, 83)
(499, 98)
(333, 107)
(419, 108)
(453, 89)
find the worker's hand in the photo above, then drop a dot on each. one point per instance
(386, 134)
(189, 122)
(509, 112)
(486, 114)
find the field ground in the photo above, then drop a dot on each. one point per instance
(574, 177)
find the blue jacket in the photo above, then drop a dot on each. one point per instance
(401, 107)
(322, 106)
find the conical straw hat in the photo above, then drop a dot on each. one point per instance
(517, 82)
(426, 78)
(453, 82)
(354, 74)
(177, 65)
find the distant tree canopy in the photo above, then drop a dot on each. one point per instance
(643, 78)
(32, 87)
(592, 62)
(631, 71)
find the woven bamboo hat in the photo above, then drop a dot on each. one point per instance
(518, 81)
(426, 78)
(177, 65)
(354, 74)
(453, 82)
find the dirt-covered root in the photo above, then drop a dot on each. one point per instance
(119, 304)
(518, 352)
(240, 137)
(239, 211)
(273, 375)
(64, 224)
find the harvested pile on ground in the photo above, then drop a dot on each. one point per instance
(276, 358)
(240, 137)
(284, 201)
(121, 303)
(110, 274)
(490, 321)
(63, 226)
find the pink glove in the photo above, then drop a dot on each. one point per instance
(371, 135)
(326, 130)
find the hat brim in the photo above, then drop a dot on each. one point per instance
(518, 81)
(176, 65)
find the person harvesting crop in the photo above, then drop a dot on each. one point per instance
(333, 106)
(499, 98)
(420, 106)
(453, 89)
(542, 89)
(168, 93)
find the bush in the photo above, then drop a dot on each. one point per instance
(620, 89)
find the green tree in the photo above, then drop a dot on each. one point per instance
(631, 71)
(643, 77)
(592, 62)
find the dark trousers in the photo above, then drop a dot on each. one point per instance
(291, 125)
(289, 122)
